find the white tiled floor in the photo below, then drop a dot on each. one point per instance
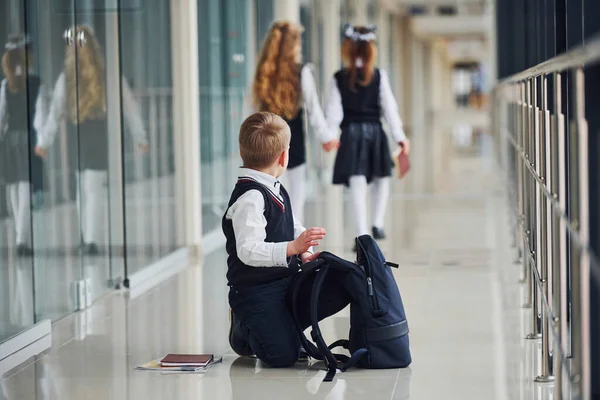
(457, 279)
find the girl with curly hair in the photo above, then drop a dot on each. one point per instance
(359, 96)
(80, 96)
(283, 86)
(21, 116)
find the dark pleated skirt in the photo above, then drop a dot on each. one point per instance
(18, 162)
(364, 150)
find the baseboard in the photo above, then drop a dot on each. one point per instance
(158, 272)
(24, 339)
(21, 356)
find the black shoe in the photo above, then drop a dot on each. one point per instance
(91, 249)
(378, 233)
(24, 251)
(239, 344)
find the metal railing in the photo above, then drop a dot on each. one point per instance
(545, 159)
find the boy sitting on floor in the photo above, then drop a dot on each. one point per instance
(265, 245)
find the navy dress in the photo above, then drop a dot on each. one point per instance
(18, 161)
(364, 148)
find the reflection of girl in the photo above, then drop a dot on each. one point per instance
(80, 93)
(284, 87)
(21, 113)
(360, 95)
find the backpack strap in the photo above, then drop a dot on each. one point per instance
(316, 335)
(308, 270)
(330, 358)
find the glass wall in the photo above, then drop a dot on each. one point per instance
(16, 272)
(145, 49)
(224, 42)
(87, 170)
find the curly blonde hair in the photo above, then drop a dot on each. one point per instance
(276, 85)
(19, 57)
(84, 73)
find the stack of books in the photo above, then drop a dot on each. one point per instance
(181, 363)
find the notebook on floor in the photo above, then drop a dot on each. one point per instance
(187, 360)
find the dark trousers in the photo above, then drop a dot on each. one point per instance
(265, 321)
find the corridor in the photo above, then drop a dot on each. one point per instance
(452, 247)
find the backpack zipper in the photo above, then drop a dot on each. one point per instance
(370, 286)
(372, 292)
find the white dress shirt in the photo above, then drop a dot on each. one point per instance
(310, 101)
(389, 108)
(249, 224)
(131, 114)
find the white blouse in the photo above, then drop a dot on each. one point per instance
(131, 114)
(335, 111)
(310, 100)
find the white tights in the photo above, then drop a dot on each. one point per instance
(20, 203)
(90, 200)
(294, 181)
(380, 191)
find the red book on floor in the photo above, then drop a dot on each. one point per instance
(187, 360)
(402, 163)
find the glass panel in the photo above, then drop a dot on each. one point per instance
(78, 231)
(56, 234)
(223, 46)
(18, 92)
(148, 160)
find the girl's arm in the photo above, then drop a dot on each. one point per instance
(47, 134)
(2, 107)
(41, 109)
(389, 109)
(334, 109)
(316, 119)
(133, 115)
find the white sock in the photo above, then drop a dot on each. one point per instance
(20, 199)
(92, 200)
(358, 187)
(380, 193)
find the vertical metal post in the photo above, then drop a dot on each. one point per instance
(518, 131)
(580, 261)
(523, 157)
(533, 201)
(544, 166)
(557, 248)
(560, 302)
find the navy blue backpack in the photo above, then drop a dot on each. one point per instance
(378, 336)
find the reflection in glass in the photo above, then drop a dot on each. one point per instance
(20, 170)
(80, 97)
(21, 111)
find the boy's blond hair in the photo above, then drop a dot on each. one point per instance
(263, 137)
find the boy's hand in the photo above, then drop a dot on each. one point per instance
(308, 257)
(305, 241)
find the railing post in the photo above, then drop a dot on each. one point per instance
(532, 195)
(545, 217)
(580, 260)
(518, 132)
(524, 150)
(558, 189)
